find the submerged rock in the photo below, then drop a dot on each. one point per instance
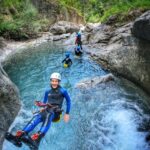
(89, 83)
(9, 103)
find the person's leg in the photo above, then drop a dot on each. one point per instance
(47, 123)
(33, 123)
(76, 53)
(44, 128)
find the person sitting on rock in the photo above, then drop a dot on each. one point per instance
(78, 50)
(78, 39)
(67, 61)
(54, 97)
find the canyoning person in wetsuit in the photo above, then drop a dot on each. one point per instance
(78, 39)
(54, 97)
(78, 50)
(67, 61)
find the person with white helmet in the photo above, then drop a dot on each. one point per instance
(51, 111)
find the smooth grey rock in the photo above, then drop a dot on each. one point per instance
(60, 37)
(100, 34)
(89, 83)
(63, 27)
(127, 56)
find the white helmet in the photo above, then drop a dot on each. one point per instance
(55, 75)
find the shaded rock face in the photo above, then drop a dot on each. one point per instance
(129, 58)
(118, 50)
(9, 103)
(141, 27)
(63, 27)
(55, 12)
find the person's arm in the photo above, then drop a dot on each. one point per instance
(68, 106)
(64, 60)
(68, 100)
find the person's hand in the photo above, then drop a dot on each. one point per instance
(42, 109)
(37, 103)
(66, 117)
(40, 104)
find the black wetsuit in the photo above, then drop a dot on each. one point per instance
(67, 61)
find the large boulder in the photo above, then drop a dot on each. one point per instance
(9, 103)
(125, 54)
(60, 37)
(57, 30)
(90, 83)
(141, 27)
(89, 27)
(63, 27)
(100, 34)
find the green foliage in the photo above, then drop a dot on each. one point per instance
(92, 10)
(100, 10)
(23, 23)
(9, 3)
(123, 7)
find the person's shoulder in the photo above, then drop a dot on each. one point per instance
(63, 90)
(47, 90)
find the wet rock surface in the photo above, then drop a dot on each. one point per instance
(9, 103)
(63, 27)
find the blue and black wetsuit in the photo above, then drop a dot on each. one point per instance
(78, 51)
(53, 97)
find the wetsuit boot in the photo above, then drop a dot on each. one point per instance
(15, 139)
(34, 141)
(22, 136)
